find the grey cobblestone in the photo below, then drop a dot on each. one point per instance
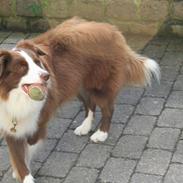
(82, 175)
(114, 133)
(155, 51)
(58, 164)
(172, 59)
(169, 73)
(94, 156)
(175, 99)
(150, 106)
(57, 127)
(122, 113)
(157, 90)
(130, 95)
(140, 125)
(45, 150)
(179, 83)
(171, 118)
(48, 180)
(154, 162)
(130, 146)
(178, 155)
(144, 178)
(174, 174)
(117, 170)
(72, 143)
(4, 165)
(164, 138)
(14, 38)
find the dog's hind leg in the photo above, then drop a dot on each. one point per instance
(86, 125)
(18, 150)
(102, 133)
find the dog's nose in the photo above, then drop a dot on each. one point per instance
(45, 76)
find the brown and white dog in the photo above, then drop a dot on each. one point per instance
(77, 58)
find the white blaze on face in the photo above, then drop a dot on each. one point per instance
(34, 71)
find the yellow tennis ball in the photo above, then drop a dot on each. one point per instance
(36, 93)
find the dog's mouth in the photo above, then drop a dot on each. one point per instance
(42, 86)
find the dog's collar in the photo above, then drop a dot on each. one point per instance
(14, 123)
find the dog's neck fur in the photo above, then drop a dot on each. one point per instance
(24, 110)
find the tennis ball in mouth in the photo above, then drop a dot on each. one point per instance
(36, 93)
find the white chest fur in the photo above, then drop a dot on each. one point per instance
(25, 110)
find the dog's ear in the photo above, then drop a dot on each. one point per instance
(40, 50)
(5, 57)
(27, 44)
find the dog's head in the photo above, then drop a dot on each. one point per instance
(22, 67)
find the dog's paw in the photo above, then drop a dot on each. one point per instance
(82, 130)
(14, 175)
(28, 179)
(99, 136)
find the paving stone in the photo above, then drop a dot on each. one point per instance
(174, 174)
(178, 155)
(169, 73)
(4, 165)
(122, 113)
(114, 133)
(140, 125)
(7, 178)
(15, 37)
(179, 83)
(35, 166)
(45, 150)
(130, 146)
(48, 180)
(175, 45)
(117, 170)
(82, 175)
(72, 143)
(33, 35)
(154, 161)
(7, 46)
(157, 90)
(172, 59)
(160, 41)
(94, 155)
(3, 36)
(175, 99)
(58, 164)
(69, 110)
(144, 178)
(164, 138)
(150, 106)
(171, 118)
(129, 95)
(155, 51)
(57, 127)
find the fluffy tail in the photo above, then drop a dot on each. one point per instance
(141, 70)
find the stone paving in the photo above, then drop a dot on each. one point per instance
(146, 138)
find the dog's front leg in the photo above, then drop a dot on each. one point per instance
(18, 152)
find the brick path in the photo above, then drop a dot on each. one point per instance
(146, 140)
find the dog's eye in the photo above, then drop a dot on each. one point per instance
(37, 62)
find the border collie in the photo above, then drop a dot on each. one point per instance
(77, 58)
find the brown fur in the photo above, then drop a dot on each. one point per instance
(85, 59)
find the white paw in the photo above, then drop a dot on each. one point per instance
(82, 130)
(14, 175)
(29, 179)
(99, 136)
